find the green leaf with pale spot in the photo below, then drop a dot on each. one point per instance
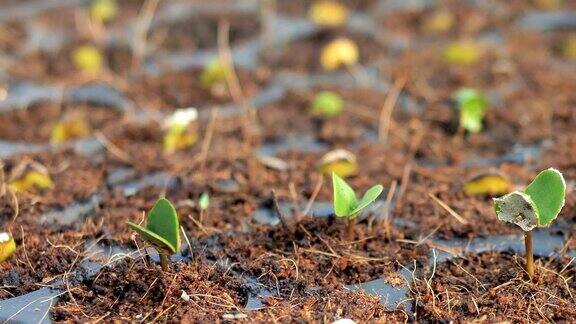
(370, 195)
(162, 226)
(547, 191)
(344, 197)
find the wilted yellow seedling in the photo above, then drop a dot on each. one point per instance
(339, 161)
(214, 73)
(328, 13)
(570, 47)
(462, 53)
(71, 128)
(103, 10)
(439, 22)
(178, 133)
(7, 246)
(87, 58)
(491, 184)
(33, 179)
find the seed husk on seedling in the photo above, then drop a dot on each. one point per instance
(472, 106)
(347, 205)
(327, 104)
(328, 13)
(341, 162)
(29, 176)
(68, 128)
(7, 246)
(462, 53)
(340, 52)
(103, 11)
(178, 131)
(88, 59)
(536, 206)
(162, 230)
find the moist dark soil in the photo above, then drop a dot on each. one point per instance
(494, 287)
(134, 289)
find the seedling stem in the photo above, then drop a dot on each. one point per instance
(529, 254)
(350, 229)
(163, 261)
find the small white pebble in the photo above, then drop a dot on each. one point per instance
(344, 321)
(185, 296)
(4, 237)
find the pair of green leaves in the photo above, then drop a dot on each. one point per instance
(162, 227)
(472, 106)
(538, 205)
(345, 202)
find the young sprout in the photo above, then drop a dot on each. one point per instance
(537, 206)
(178, 133)
(339, 52)
(162, 230)
(569, 50)
(87, 58)
(214, 75)
(472, 106)
(7, 246)
(463, 53)
(70, 128)
(203, 203)
(341, 162)
(327, 104)
(30, 177)
(328, 13)
(488, 183)
(439, 22)
(103, 11)
(347, 205)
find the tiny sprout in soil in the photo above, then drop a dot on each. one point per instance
(463, 53)
(327, 104)
(203, 203)
(537, 206)
(328, 13)
(472, 106)
(30, 176)
(103, 11)
(87, 58)
(214, 75)
(7, 246)
(162, 230)
(347, 205)
(68, 129)
(338, 53)
(178, 133)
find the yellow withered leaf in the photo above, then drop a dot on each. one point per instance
(7, 246)
(339, 52)
(87, 58)
(328, 13)
(491, 184)
(33, 179)
(69, 129)
(339, 161)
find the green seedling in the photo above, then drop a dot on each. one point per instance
(327, 104)
(103, 11)
(162, 230)
(203, 203)
(214, 73)
(537, 206)
(347, 205)
(178, 133)
(472, 106)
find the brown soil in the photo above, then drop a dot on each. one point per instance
(35, 123)
(12, 36)
(493, 287)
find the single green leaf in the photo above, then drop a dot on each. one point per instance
(153, 238)
(344, 197)
(163, 221)
(370, 195)
(548, 192)
(204, 201)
